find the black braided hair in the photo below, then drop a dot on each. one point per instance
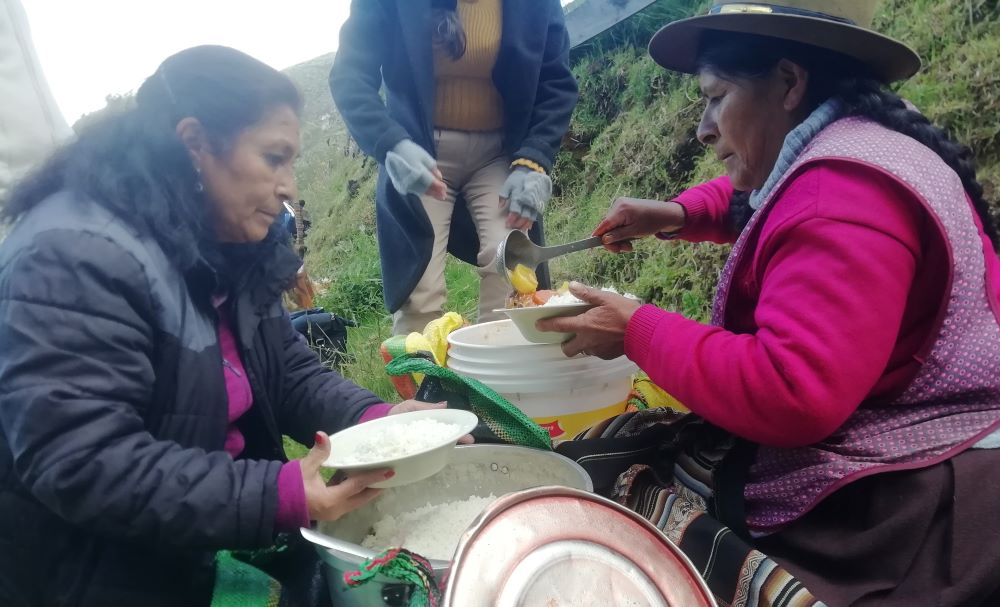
(871, 99)
(740, 210)
(832, 75)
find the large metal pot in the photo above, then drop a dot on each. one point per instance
(475, 470)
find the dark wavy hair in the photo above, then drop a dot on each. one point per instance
(833, 75)
(448, 31)
(133, 163)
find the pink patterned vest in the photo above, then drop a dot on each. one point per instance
(954, 400)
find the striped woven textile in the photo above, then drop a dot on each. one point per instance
(667, 466)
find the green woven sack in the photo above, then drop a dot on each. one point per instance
(238, 584)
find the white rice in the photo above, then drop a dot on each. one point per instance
(400, 440)
(430, 531)
(562, 299)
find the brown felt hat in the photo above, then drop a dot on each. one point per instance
(843, 26)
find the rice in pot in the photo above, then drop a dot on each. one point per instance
(431, 531)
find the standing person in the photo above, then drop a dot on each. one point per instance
(479, 94)
(302, 225)
(295, 221)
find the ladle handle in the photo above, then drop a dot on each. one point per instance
(548, 253)
(321, 539)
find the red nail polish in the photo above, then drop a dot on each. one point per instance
(319, 438)
(390, 474)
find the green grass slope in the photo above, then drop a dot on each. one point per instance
(632, 134)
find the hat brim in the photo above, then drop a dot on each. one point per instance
(675, 45)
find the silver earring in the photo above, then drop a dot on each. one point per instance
(198, 187)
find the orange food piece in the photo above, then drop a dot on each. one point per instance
(540, 297)
(517, 300)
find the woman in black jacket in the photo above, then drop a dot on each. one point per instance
(147, 368)
(478, 97)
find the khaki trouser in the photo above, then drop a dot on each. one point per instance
(473, 165)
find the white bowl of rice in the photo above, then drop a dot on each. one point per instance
(415, 445)
(559, 305)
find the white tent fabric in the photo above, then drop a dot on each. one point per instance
(31, 124)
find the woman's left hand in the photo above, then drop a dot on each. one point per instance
(408, 406)
(599, 331)
(524, 196)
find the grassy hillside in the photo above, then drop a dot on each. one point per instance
(632, 134)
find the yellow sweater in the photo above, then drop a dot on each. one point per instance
(466, 98)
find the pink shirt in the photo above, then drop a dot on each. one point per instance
(237, 384)
(845, 284)
(292, 510)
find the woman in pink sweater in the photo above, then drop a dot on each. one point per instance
(854, 352)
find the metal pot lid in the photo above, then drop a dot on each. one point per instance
(556, 547)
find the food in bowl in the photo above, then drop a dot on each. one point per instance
(432, 531)
(400, 440)
(527, 295)
(524, 280)
(412, 449)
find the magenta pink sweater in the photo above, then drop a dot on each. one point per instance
(846, 281)
(292, 511)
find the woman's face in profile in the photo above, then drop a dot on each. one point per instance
(745, 120)
(247, 183)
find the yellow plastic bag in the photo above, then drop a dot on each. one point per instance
(434, 339)
(653, 396)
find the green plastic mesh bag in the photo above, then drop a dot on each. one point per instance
(504, 420)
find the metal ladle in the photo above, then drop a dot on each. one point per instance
(517, 248)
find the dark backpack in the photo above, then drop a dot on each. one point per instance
(325, 332)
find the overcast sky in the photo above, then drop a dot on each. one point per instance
(92, 48)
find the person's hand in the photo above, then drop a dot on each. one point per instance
(344, 494)
(524, 195)
(600, 331)
(415, 405)
(631, 218)
(413, 171)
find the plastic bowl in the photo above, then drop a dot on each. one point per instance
(525, 319)
(409, 468)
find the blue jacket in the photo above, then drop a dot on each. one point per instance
(389, 42)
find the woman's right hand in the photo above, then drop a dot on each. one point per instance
(632, 218)
(413, 171)
(330, 502)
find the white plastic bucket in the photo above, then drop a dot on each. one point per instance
(564, 367)
(563, 395)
